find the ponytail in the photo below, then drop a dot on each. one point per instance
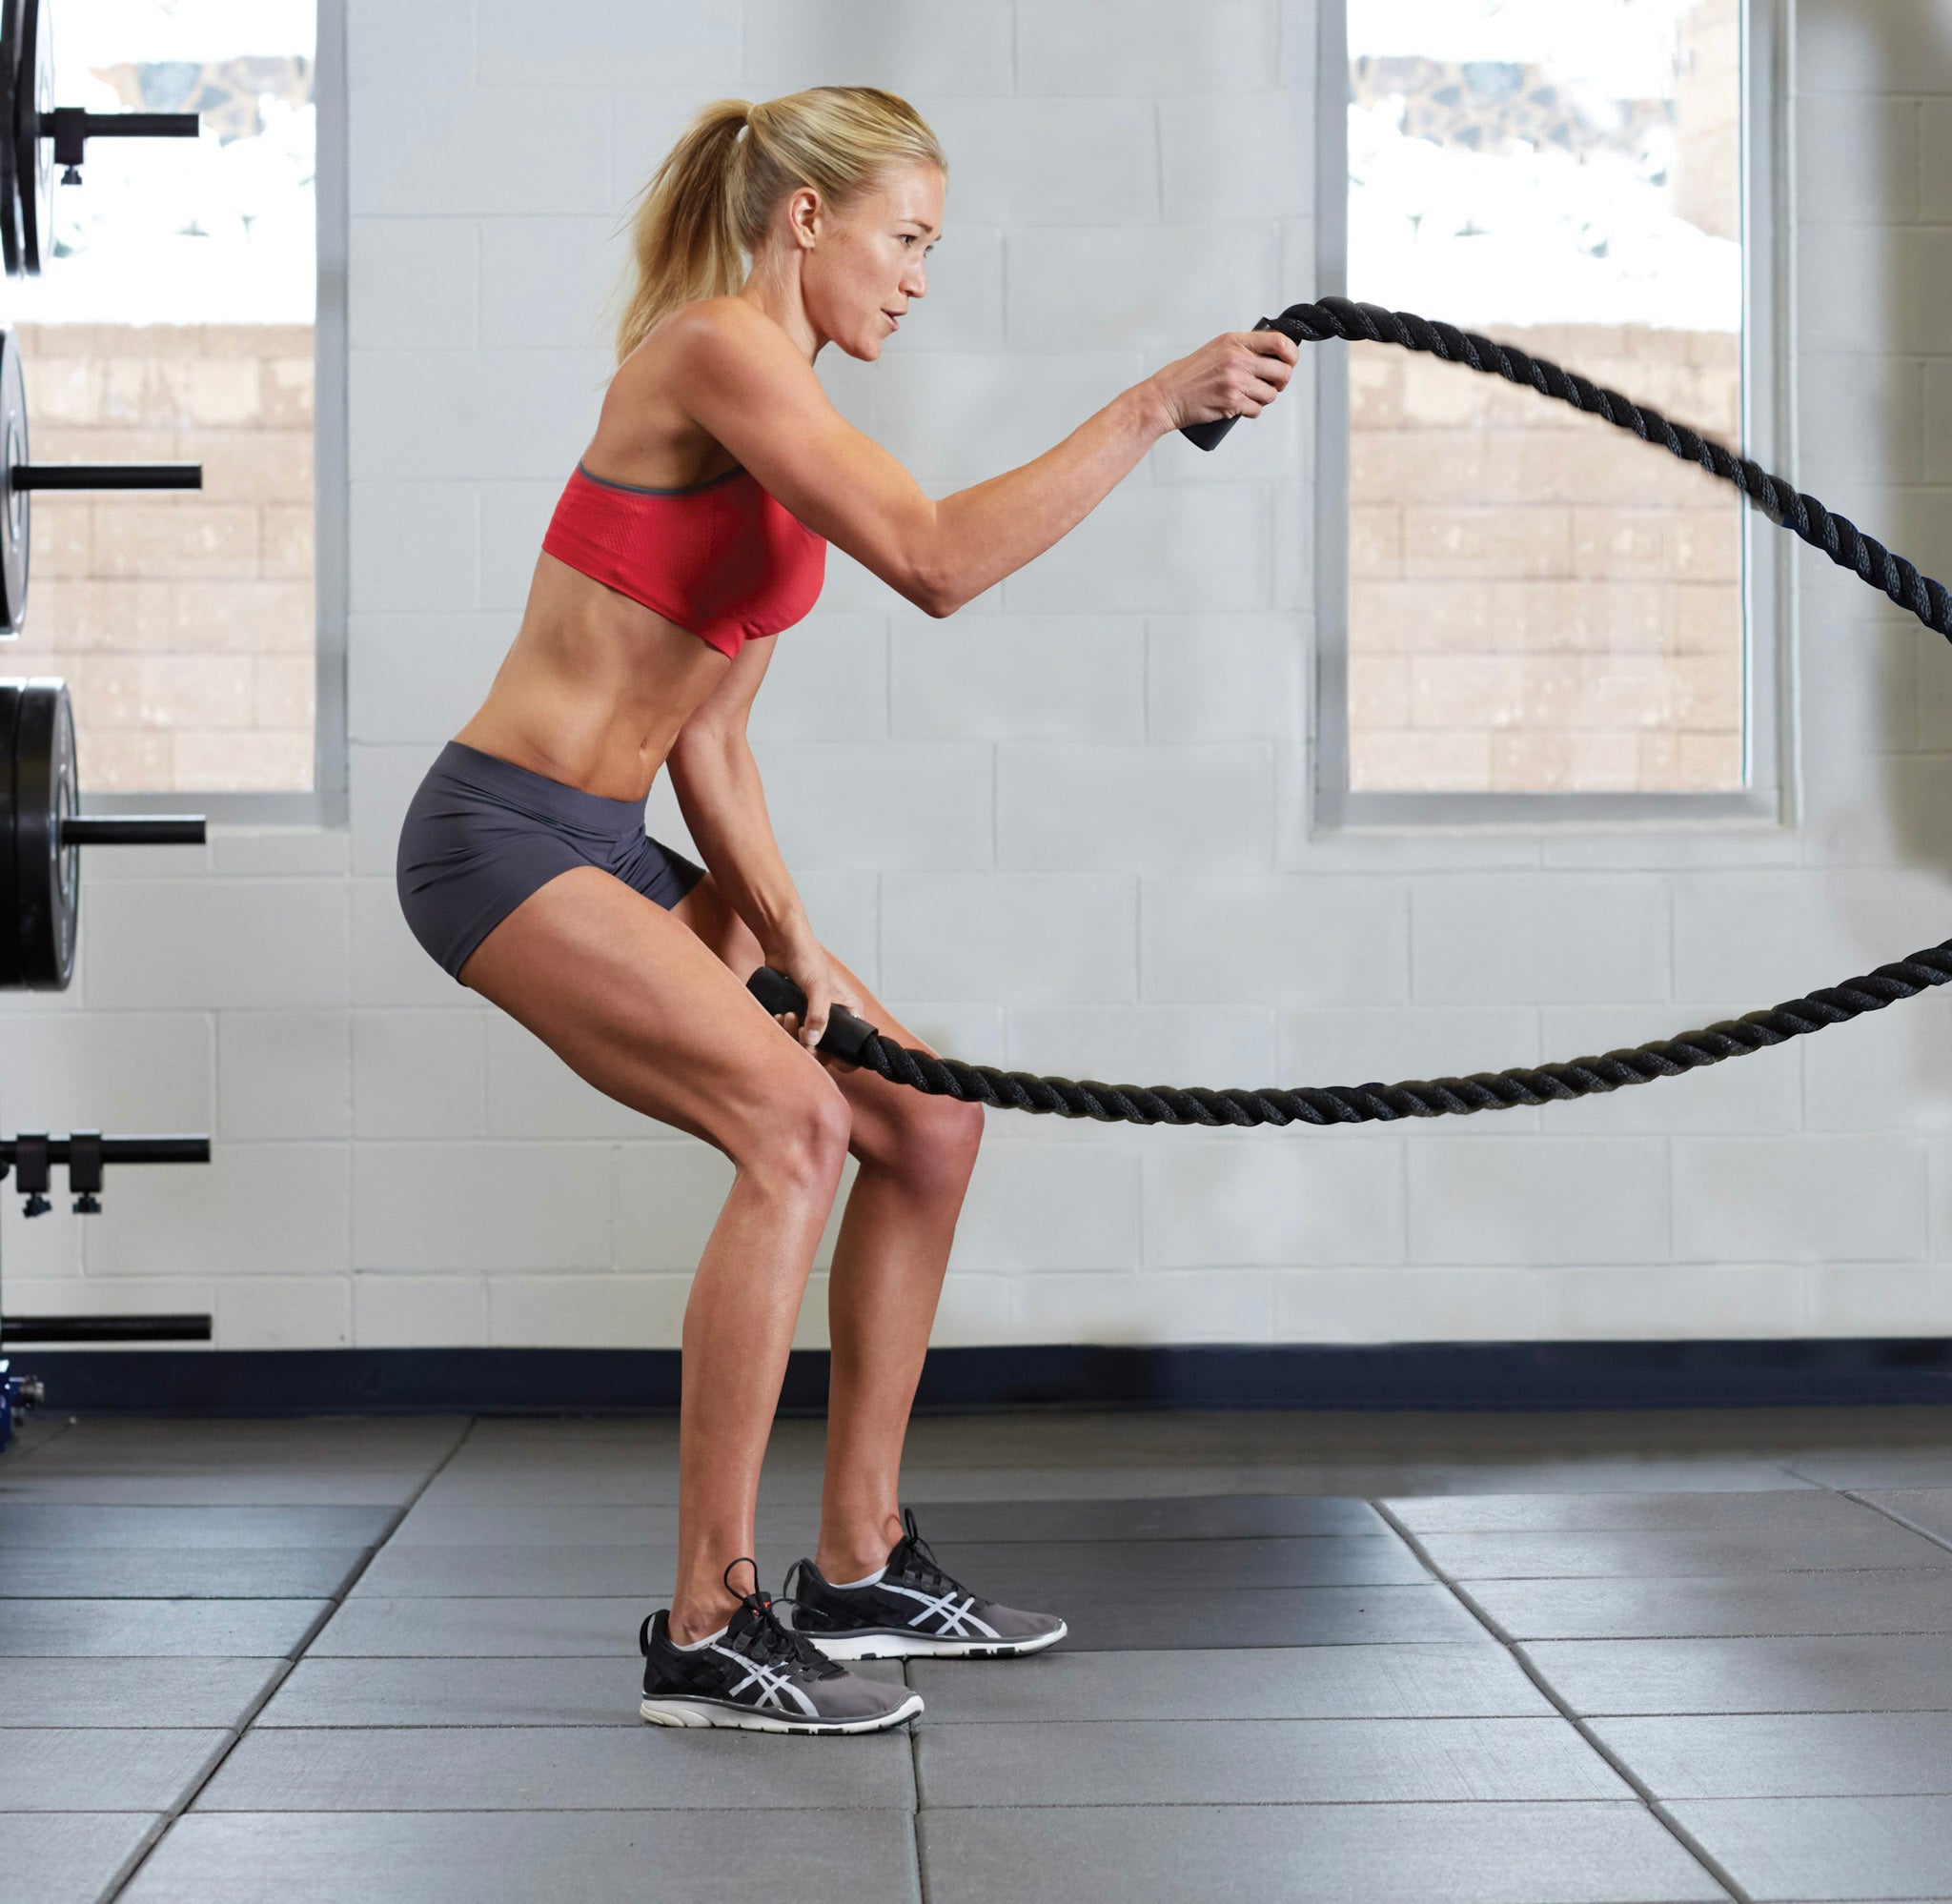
(707, 207)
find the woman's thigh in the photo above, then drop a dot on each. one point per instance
(633, 1003)
(893, 1124)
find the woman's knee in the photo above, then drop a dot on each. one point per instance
(802, 1138)
(933, 1143)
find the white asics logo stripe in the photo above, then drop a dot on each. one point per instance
(958, 1621)
(770, 1681)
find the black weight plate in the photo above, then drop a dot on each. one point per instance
(15, 504)
(10, 13)
(33, 154)
(47, 875)
(10, 727)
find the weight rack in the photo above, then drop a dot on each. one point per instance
(41, 830)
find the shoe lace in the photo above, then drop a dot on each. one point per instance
(761, 1637)
(914, 1559)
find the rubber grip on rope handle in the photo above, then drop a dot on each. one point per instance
(845, 1035)
(1206, 436)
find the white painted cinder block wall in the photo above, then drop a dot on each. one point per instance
(1065, 830)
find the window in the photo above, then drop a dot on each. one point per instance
(1525, 613)
(176, 319)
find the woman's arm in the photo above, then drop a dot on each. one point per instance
(718, 793)
(992, 528)
(746, 384)
(724, 806)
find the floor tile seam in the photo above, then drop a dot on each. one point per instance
(1770, 1711)
(170, 1599)
(227, 1474)
(745, 1806)
(1272, 1805)
(1173, 1719)
(915, 1849)
(819, 1810)
(1649, 1639)
(120, 1880)
(1743, 1573)
(1862, 1499)
(1538, 1639)
(268, 1658)
(1178, 1721)
(948, 1660)
(1152, 1593)
(1141, 1596)
(1382, 1535)
(626, 1723)
(1932, 1570)
(902, 1808)
(1712, 1866)
(1136, 1594)
(14, 1546)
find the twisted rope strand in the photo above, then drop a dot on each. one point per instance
(1834, 536)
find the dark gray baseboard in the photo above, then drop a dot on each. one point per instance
(1824, 1372)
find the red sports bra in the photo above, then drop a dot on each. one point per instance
(723, 559)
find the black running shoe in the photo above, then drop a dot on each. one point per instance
(759, 1675)
(911, 1610)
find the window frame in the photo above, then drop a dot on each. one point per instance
(325, 805)
(1767, 800)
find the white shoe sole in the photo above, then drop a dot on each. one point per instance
(749, 1719)
(926, 1646)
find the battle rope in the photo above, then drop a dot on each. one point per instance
(850, 1038)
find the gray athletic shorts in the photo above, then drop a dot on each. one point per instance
(481, 834)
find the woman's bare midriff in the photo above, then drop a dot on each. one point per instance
(596, 686)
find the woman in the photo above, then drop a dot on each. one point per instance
(693, 531)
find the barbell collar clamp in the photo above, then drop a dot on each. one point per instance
(84, 1161)
(86, 1153)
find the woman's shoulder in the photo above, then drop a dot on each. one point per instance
(645, 433)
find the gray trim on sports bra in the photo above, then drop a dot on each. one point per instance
(639, 489)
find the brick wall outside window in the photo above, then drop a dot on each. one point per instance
(1538, 601)
(182, 620)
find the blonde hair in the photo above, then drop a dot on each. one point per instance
(710, 202)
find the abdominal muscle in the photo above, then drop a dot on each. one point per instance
(596, 686)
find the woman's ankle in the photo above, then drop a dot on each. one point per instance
(859, 1549)
(690, 1621)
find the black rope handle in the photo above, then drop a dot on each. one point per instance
(1787, 507)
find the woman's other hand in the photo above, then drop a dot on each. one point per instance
(1239, 374)
(807, 964)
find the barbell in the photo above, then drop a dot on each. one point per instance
(19, 478)
(41, 834)
(36, 135)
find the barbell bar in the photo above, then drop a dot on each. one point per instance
(36, 135)
(20, 478)
(32, 1156)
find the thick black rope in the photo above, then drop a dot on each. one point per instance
(1836, 535)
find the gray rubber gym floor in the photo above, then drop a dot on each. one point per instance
(1503, 1659)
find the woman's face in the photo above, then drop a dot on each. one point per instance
(870, 264)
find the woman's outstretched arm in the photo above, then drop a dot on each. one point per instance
(747, 385)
